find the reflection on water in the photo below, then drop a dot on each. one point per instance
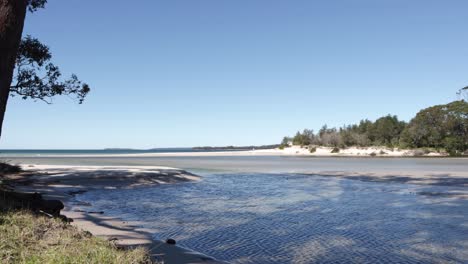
(285, 218)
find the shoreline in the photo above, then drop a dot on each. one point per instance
(64, 182)
(294, 151)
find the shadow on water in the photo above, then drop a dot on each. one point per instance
(270, 218)
(430, 179)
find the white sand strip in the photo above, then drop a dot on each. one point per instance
(290, 151)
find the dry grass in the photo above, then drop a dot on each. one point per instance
(26, 238)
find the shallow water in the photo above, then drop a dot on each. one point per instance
(291, 218)
(266, 164)
(86, 152)
(260, 210)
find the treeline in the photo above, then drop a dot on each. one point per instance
(439, 127)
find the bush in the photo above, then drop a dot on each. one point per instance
(281, 147)
(313, 149)
(335, 150)
(373, 154)
(454, 146)
(382, 152)
(439, 126)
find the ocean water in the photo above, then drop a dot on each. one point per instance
(83, 152)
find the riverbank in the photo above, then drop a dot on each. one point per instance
(64, 182)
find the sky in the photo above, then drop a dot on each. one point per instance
(183, 73)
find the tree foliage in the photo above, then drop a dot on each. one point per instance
(442, 127)
(36, 77)
(384, 131)
(33, 5)
(26, 69)
(304, 138)
(463, 93)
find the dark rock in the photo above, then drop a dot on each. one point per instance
(170, 241)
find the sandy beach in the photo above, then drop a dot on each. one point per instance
(63, 182)
(290, 151)
(346, 152)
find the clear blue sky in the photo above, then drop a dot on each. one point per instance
(181, 73)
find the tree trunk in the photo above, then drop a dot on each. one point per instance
(12, 15)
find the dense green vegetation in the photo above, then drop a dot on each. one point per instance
(439, 127)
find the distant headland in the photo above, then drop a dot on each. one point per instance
(233, 148)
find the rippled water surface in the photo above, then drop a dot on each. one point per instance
(290, 218)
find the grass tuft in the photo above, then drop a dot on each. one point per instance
(26, 238)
